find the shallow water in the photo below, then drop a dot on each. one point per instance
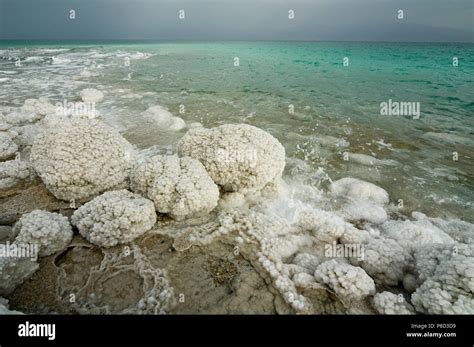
(336, 107)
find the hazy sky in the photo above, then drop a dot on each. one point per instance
(361, 20)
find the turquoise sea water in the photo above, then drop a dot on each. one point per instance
(336, 107)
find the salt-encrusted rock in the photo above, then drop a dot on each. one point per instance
(459, 230)
(359, 190)
(31, 111)
(178, 186)
(114, 217)
(40, 107)
(50, 231)
(8, 148)
(308, 262)
(91, 95)
(81, 158)
(389, 303)
(414, 233)
(238, 157)
(24, 135)
(447, 276)
(163, 119)
(362, 200)
(13, 172)
(18, 118)
(365, 211)
(325, 226)
(346, 280)
(384, 260)
(329, 227)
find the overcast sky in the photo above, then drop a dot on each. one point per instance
(346, 20)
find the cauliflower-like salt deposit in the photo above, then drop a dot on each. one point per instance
(50, 231)
(24, 135)
(163, 119)
(8, 148)
(385, 260)
(308, 262)
(40, 106)
(325, 226)
(178, 186)
(359, 190)
(459, 230)
(31, 111)
(238, 157)
(328, 227)
(362, 200)
(363, 210)
(389, 303)
(413, 233)
(346, 280)
(114, 217)
(81, 158)
(91, 95)
(447, 273)
(13, 171)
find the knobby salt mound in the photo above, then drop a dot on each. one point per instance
(51, 231)
(81, 158)
(163, 119)
(114, 218)
(8, 148)
(362, 200)
(238, 157)
(178, 186)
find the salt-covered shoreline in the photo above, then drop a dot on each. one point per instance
(142, 221)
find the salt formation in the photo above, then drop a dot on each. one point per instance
(106, 289)
(389, 303)
(163, 119)
(50, 231)
(8, 148)
(346, 280)
(325, 226)
(81, 158)
(384, 260)
(91, 95)
(24, 135)
(178, 186)
(414, 233)
(114, 217)
(458, 230)
(268, 242)
(447, 276)
(357, 189)
(238, 157)
(362, 200)
(12, 172)
(328, 227)
(31, 111)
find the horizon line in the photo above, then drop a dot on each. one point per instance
(220, 40)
